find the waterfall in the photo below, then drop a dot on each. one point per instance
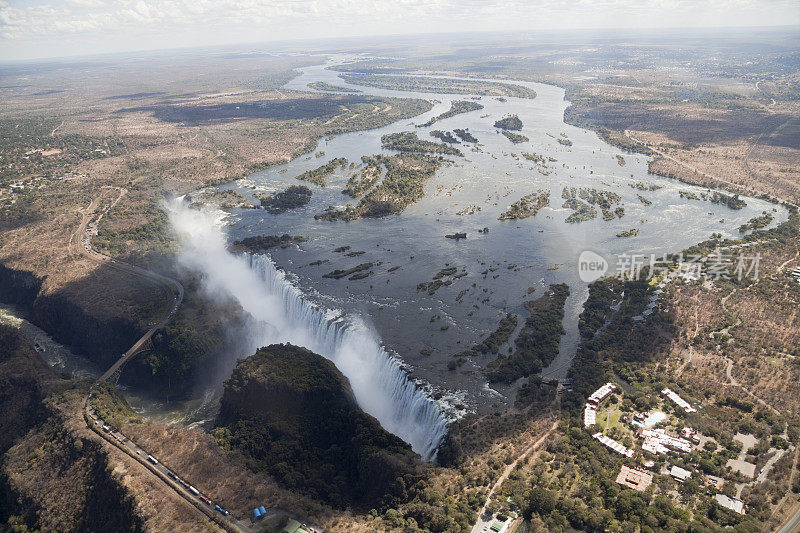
(379, 383)
(283, 314)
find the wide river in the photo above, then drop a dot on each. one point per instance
(519, 254)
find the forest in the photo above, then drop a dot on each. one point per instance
(456, 108)
(402, 185)
(511, 122)
(293, 197)
(317, 176)
(537, 343)
(409, 142)
(293, 415)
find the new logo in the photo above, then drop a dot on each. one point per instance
(591, 266)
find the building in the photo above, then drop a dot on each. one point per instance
(501, 523)
(589, 416)
(679, 474)
(601, 394)
(690, 434)
(657, 441)
(614, 445)
(661, 442)
(293, 526)
(654, 446)
(796, 274)
(737, 506)
(634, 479)
(683, 404)
(498, 526)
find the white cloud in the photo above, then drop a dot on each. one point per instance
(242, 20)
(93, 4)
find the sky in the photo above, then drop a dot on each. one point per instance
(57, 28)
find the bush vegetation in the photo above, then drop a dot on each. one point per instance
(360, 183)
(261, 243)
(329, 87)
(456, 108)
(317, 176)
(402, 185)
(537, 343)
(465, 135)
(445, 136)
(493, 342)
(527, 206)
(756, 223)
(515, 138)
(438, 85)
(409, 142)
(292, 413)
(293, 197)
(511, 122)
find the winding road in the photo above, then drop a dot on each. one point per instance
(202, 503)
(83, 235)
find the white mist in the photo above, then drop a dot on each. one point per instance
(282, 315)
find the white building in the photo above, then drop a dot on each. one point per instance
(614, 445)
(683, 404)
(601, 394)
(589, 416)
(733, 504)
(657, 441)
(680, 474)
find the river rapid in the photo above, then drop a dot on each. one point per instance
(519, 254)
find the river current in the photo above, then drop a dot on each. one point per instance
(519, 254)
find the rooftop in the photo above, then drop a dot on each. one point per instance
(589, 416)
(733, 504)
(634, 479)
(672, 395)
(602, 393)
(680, 474)
(614, 445)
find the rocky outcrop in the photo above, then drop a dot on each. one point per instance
(293, 413)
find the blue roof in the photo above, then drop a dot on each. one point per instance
(256, 512)
(263, 511)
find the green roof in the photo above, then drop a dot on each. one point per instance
(497, 526)
(293, 527)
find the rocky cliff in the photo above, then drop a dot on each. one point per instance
(99, 316)
(293, 414)
(52, 477)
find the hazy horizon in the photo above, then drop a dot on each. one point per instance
(45, 29)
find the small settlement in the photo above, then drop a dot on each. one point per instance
(606, 415)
